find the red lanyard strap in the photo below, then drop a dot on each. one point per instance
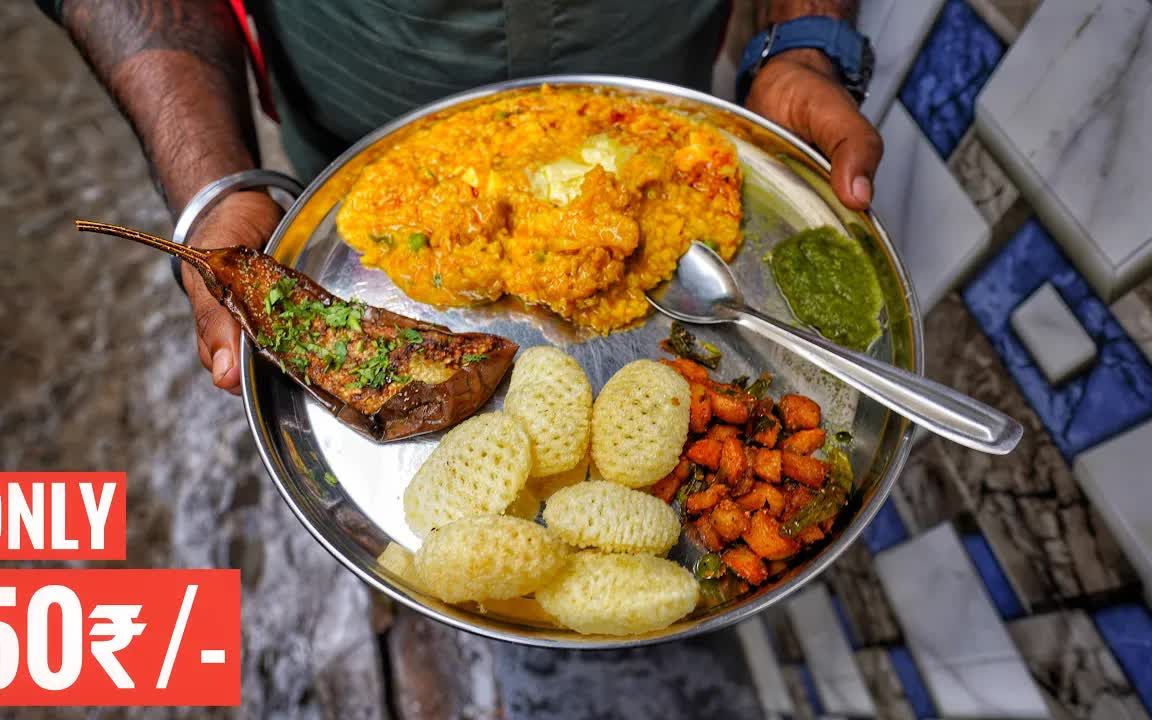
(256, 56)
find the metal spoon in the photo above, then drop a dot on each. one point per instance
(704, 291)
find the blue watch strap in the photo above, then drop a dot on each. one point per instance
(837, 39)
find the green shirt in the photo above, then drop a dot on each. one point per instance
(342, 68)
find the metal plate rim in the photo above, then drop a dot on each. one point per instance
(725, 619)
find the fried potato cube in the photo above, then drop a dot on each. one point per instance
(706, 499)
(722, 432)
(767, 465)
(804, 469)
(755, 498)
(689, 370)
(799, 412)
(488, 557)
(776, 502)
(729, 520)
(764, 431)
(734, 408)
(763, 536)
(640, 423)
(804, 442)
(545, 487)
(810, 534)
(478, 468)
(609, 594)
(666, 488)
(612, 518)
(700, 412)
(551, 396)
(746, 564)
(705, 452)
(708, 535)
(733, 462)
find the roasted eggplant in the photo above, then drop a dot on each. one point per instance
(384, 374)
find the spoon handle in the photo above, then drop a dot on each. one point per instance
(926, 402)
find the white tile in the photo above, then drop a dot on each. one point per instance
(897, 29)
(962, 649)
(1055, 338)
(828, 654)
(1116, 477)
(1067, 112)
(934, 224)
(765, 669)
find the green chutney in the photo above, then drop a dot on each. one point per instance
(830, 285)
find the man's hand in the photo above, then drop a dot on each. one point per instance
(244, 218)
(800, 90)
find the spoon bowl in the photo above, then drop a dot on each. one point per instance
(704, 291)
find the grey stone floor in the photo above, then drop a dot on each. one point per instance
(98, 372)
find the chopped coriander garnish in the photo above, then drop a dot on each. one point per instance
(416, 241)
(376, 371)
(279, 291)
(334, 359)
(437, 280)
(411, 336)
(712, 245)
(383, 238)
(331, 479)
(339, 315)
(470, 358)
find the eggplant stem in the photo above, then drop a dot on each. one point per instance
(196, 258)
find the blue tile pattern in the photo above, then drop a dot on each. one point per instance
(1115, 394)
(1128, 631)
(914, 688)
(846, 626)
(953, 65)
(1003, 596)
(810, 691)
(886, 529)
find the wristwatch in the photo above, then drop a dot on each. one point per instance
(848, 49)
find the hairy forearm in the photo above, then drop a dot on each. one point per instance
(176, 69)
(785, 10)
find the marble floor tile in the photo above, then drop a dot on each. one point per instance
(939, 232)
(886, 529)
(962, 649)
(828, 654)
(702, 677)
(956, 60)
(764, 667)
(1134, 313)
(1113, 395)
(1115, 476)
(785, 640)
(897, 29)
(1055, 339)
(803, 698)
(1065, 113)
(1006, 17)
(866, 609)
(997, 584)
(1050, 542)
(928, 492)
(1075, 671)
(884, 685)
(993, 193)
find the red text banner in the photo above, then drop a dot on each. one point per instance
(119, 637)
(62, 515)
